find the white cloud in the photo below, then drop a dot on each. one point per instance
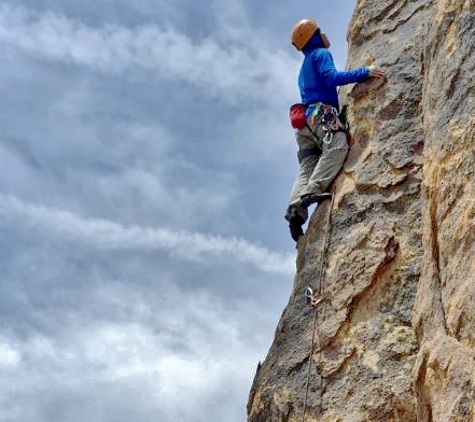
(9, 356)
(161, 354)
(109, 235)
(242, 71)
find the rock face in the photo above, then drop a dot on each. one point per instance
(444, 315)
(393, 338)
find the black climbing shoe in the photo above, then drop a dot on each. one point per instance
(313, 198)
(296, 215)
(295, 226)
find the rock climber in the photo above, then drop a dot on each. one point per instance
(322, 138)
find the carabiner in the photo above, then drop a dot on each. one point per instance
(309, 295)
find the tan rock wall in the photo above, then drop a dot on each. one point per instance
(445, 308)
(402, 222)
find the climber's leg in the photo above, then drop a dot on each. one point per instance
(300, 187)
(329, 165)
(308, 155)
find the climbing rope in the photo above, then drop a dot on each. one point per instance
(315, 301)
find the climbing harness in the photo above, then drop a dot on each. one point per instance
(330, 122)
(326, 116)
(321, 114)
(314, 300)
(329, 118)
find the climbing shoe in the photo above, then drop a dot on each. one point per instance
(295, 226)
(314, 198)
(296, 215)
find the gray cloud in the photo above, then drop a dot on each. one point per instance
(242, 72)
(103, 234)
(146, 162)
(157, 358)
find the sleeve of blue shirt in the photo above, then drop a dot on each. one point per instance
(323, 64)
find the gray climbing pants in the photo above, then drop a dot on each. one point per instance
(320, 162)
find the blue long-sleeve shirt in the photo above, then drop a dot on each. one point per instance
(318, 78)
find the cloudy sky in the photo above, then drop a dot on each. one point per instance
(146, 161)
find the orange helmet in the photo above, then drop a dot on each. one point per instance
(302, 32)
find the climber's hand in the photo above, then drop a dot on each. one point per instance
(376, 72)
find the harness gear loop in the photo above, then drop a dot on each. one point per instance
(329, 118)
(326, 116)
(314, 301)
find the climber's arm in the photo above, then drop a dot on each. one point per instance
(323, 62)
